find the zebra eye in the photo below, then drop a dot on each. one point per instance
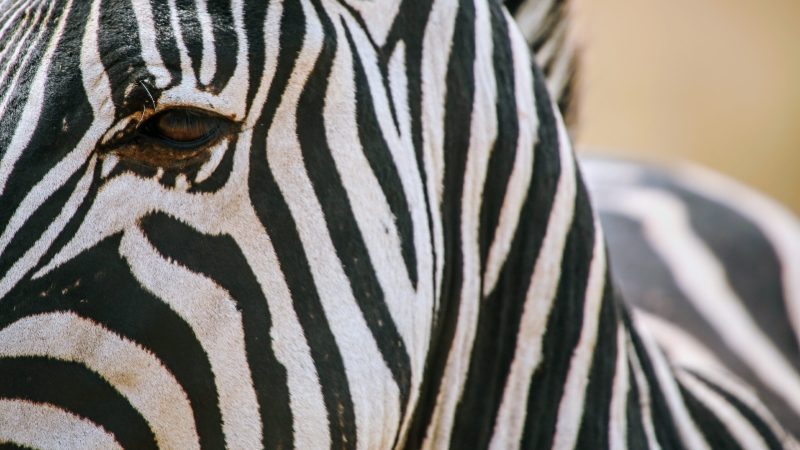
(173, 138)
(182, 129)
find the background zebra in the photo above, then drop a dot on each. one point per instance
(713, 269)
(711, 266)
(311, 224)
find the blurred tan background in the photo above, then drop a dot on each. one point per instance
(711, 81)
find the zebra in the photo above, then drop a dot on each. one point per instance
(312, 224)
(712, 267)
(747, 244)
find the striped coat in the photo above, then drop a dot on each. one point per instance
(309, 224)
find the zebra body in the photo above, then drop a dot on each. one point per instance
(712, 268)
(309, 224)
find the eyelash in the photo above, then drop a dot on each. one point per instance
(200, 128)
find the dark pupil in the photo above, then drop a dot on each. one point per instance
(183, 126)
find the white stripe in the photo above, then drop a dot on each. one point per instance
(618, 425)
(54, 428)
(560, 68)
(781, 227)
(404, 157)
(409, 314)
(147, 39)
(231, 101)
(699, 274)
(187, 74)
(95, 80)
(483, 133)
(681, 348)
(134, 372)
(15, 44)
(749, 398)
(690, 435)
(235, 92)
(367, 375)
(436, 47)
(570, 409)
(287, 337)
(378, 17)
(739, 427)
(519, 181)
(215, 320)
(370, 206)
(24, 26)
(217, 154)
(209, 62)
(686, 352)
(413, 311)
(31, 257)
(531, 15)
(10, 12)
(643, 389)
(538, 303)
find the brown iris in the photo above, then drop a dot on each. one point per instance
(182, 129)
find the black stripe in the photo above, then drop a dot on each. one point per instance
(35, 226)
(564, 326)
(274, 214)
(17, 97)
(636, 437)
(74, 223)
(752, 267)
(121, 55)
(555, 15)
(190, 32)
(665, 430)
(716, 434)
(15, 44)
(748, 413)
(458, 115)
(165, 41)
(504, 151)
(409, 28)
(498, 322)
(75, 388)
(220, 259)
(12, 446)
(222, 173)
(62, 123)
(226, 42)
(97, 284)
(293, 28)
(255, 13)
(645, 280)
(342, 226)
(597, 403)
(380, 160)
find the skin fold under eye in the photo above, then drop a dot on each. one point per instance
(175, 137)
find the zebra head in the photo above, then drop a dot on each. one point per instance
(297, 223)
